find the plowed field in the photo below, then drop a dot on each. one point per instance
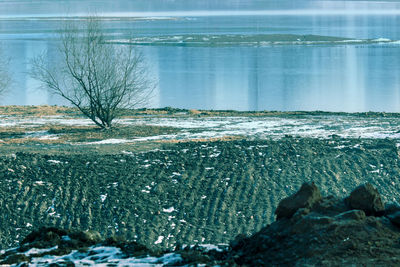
(191, 192)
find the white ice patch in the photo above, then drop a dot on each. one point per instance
(169, 210)
(208, 247)
(54, 161)
(109, 141)
(157, 137)
(42, 135)
(49, 137)
(33, 251)
(103, 197)
(159, 240)
(122, 141)
(381, 40)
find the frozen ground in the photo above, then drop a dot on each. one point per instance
(106, 256)
(95, 256)
(315, 126)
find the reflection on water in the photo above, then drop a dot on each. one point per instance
(356, 77)
(317, 78)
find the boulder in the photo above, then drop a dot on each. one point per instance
(306, 197)
(44, 237)
(366, 198)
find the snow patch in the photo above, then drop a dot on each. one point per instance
(218, 248)
(33, 251)
(269, 127)
(169, 210)
(109, 141)
(54, 161)
(159, 240)
(103, 197)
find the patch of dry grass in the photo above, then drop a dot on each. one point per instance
(73, 134)
(42, 110)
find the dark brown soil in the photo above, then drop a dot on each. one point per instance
(217, 189)
(310, 230)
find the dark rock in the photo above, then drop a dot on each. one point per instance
(306, 197)
(366, 198)
(325, 234)
(44, 237)
(134, 249)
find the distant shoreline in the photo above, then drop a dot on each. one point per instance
(48, 110)
(223, 40)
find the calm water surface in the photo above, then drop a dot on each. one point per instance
(332, 77)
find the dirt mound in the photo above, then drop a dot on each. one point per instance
(332, 231)
(310, 230)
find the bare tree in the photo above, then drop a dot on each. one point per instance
(97, 77)
(5, 77)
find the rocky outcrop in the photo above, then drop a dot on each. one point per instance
(326, 231)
